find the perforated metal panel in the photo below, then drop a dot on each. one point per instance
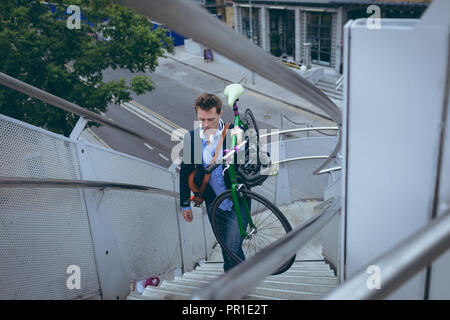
(146, 231)
(109, 165)
(42, 231)
(145, 225)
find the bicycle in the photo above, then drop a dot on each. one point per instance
(265, 222)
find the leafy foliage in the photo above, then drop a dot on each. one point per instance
(37, 47)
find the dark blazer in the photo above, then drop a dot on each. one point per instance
(192, 159)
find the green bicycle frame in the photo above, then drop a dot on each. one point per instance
(231, 171)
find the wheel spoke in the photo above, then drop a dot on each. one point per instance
(270, 224)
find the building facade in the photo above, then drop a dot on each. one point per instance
(284, 28)
(223, 9)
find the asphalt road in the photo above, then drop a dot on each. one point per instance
(177, 86)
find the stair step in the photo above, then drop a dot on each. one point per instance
(137, 296)
(303, 287)
(190, 282)
(304, 279)
(308, 273)
(208, 278)
(292, 268)
(274, 284)
(328, 85)
(324, 83)
(331, 94)
(285, 294)
(291, 279)
(178, 287)
(296, 263)
(266, 284)
(159, 293)
(259, 297)
(258, 290)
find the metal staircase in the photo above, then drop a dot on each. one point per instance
(305, 280)
(330, 88)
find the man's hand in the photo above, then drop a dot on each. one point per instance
(187, 215)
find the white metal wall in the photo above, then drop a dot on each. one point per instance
(394, 93)
(302, 183)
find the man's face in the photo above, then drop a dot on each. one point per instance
(209, 120)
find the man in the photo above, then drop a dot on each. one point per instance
(198, 150)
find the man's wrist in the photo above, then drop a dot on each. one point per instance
(185, 208)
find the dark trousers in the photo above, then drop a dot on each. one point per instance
(231, 233)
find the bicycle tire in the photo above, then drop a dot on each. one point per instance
(251, 122)
(260, 214)
(252, 147)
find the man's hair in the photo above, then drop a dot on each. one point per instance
(207, 101)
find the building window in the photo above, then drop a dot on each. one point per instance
(255, 24)
(319, 35)
(282, 32)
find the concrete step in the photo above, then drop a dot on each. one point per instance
(137, 296)
(330, 90)
(305, 279)
(328, 85)
(216, 257)
(259, 297)
(294, 267)
(190, 282)
(331, 93)
(169, 294)
(323, 267)
(285, 294)
(305, 273)
(299, 287)
(191, 288)
(159, 293)
(208, 277)
(178, 287)
(297, 263)
(290, 279)
(268, 284)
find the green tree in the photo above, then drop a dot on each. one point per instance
(37, 47)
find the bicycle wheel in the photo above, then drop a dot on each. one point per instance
(270, 225)
(252, 156)
(249, 120)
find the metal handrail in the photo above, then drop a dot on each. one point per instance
(238, 281)
(330, 170)
(18, 182)
(333, 154)
(300, 158)
(71, 107)
(400, 263)
(297, 130)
